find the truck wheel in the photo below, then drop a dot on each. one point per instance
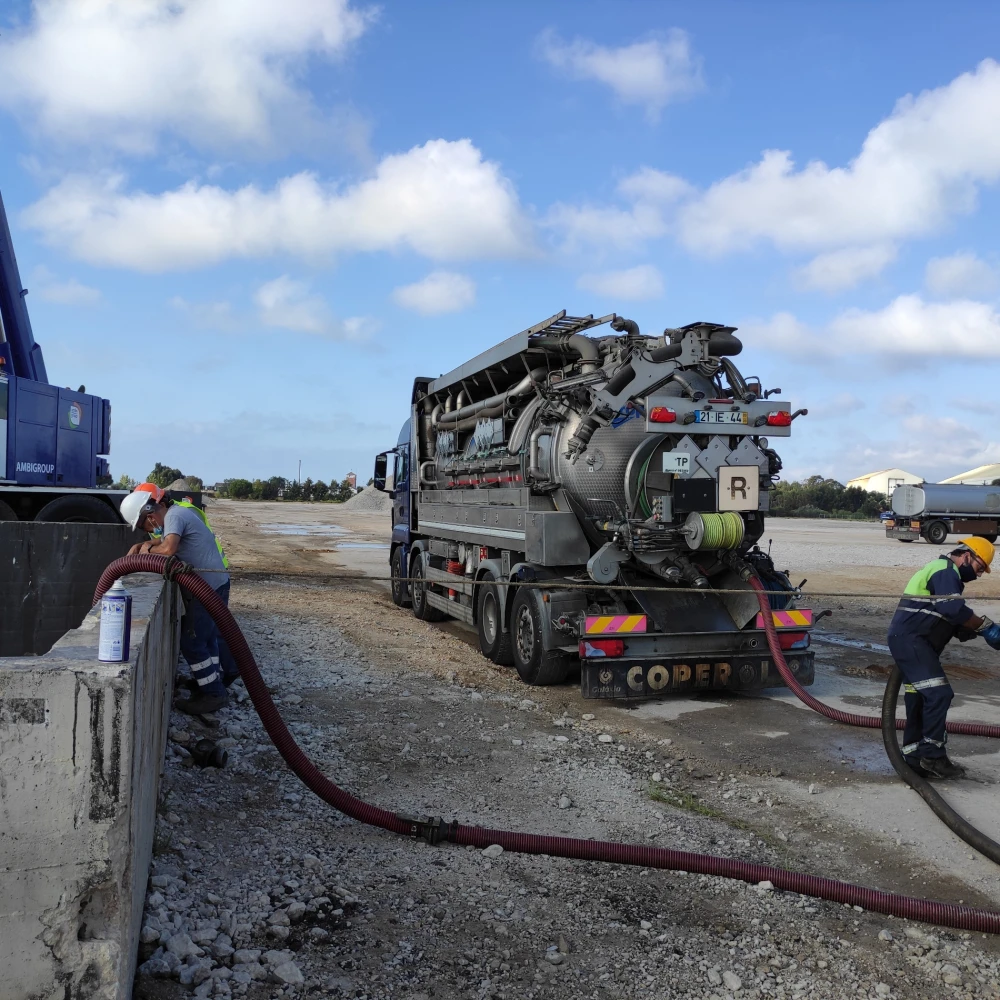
(534, 664)
(400, 593)
(418, 592)
(936, 532)
(990, 538)
(494, 643)
(7, 512)
(79, 509)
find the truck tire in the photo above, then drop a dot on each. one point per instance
(79, 509)
(494, 642)
(990, 538)
(418, 593)
(400, 590)
(7, 512)
(535, 665)
(936, 533)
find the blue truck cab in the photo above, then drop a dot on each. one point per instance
(54, 441)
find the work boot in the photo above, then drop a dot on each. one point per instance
(202, 704)
(941, 767)
(913, 761)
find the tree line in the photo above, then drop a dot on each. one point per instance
(279, 488)
(820, 497)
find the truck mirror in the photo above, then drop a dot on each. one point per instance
(381, 462)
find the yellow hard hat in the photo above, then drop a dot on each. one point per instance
(981, 547)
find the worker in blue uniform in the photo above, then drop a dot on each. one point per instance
(922, 626)
(178, 531)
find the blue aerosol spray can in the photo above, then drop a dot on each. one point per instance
(116, 624)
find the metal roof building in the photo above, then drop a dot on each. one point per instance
(885, 480)
(981, 476)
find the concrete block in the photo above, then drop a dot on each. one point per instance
(47, 577)
(81, 750)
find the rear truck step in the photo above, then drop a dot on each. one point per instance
(620, 660)
(633, 678)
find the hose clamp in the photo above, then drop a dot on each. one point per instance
(432, 829)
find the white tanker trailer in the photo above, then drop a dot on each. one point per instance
(593, 502)
(933, 511)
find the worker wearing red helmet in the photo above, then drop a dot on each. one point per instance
(184, 534)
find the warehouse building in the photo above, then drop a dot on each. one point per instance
(885, 480)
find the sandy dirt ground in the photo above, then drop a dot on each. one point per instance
(410, 715)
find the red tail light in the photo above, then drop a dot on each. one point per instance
(602, 647)
(662, 415)
(779, 418)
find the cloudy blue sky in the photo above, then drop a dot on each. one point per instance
(251, 223)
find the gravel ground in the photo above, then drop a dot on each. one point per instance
(369, 499)
(259, 889)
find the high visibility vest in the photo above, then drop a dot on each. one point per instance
(201, 514)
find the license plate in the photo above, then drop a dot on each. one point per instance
(720, 417)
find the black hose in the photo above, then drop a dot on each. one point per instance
(944, 812)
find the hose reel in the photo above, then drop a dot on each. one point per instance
(713, 531)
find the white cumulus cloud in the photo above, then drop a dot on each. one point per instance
(213, 72)
(839, 269)
(908, 329)
(916, 168)
(961, 274)
(441, 200)
(440, 292)
(64, 293)
(651, 73)
(290, 305)
(649, 194)
(633, 284)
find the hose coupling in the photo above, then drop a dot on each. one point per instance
(433, 829)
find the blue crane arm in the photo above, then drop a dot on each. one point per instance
(17, 343)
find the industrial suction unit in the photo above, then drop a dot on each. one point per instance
(592, 499)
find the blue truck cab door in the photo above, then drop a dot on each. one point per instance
(401, 488)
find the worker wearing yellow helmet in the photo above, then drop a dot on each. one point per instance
(929, 615)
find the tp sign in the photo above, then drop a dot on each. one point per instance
(739, 487)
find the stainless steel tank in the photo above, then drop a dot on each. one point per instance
(942, 498)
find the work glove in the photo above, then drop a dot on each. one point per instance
(992, 635)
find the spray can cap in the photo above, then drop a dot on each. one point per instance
(117, 589)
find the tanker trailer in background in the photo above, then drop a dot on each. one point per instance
(934, 511)
(624, 480)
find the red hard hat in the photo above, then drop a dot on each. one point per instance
(156, 493)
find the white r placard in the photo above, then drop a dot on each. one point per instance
(739, 487)
(676, 461)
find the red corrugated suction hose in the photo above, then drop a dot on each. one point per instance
(962, 917)
(848, 718)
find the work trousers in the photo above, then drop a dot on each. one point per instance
(927, 695)
(212, 664)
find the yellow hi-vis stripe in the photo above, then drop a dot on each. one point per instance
(797, 617)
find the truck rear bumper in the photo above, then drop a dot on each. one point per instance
(648, 677)
(904, 533)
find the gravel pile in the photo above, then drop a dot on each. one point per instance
(258, 889)
(369, 499)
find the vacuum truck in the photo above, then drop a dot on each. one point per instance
(592, 502)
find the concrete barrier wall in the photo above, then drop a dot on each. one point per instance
(81, 749)
(48, 572)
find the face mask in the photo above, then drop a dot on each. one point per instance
(157, 533)
(967, 574)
